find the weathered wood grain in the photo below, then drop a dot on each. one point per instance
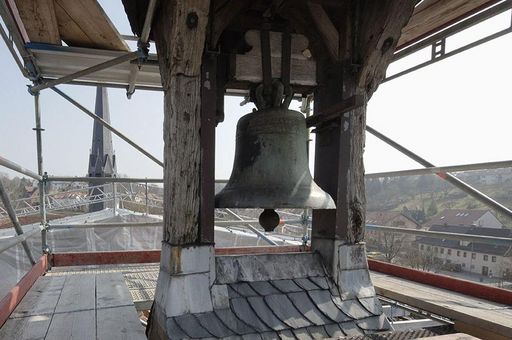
(326, 28)
(83, 23)
(38, 17)
(111, 291)
(461, 308)
(79, 325)
(42, 297)
(27, 328)
(78, 293)
(119, 323)
(180, 32)
(431, 14)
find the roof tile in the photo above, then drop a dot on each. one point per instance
(352, 308)
(287, 335)
(230, 320)
(302, 334)
(286, 286)
(323, 301)
(243, 289)
(306, 284)
(189, 324)
(372, 304)
(303, 303)
(334, 330)
(213, 325)
(263, 288)
(318, 332)
(286, 311)
(265, 313)
(174, 330)
(320, 281)
(244, 312)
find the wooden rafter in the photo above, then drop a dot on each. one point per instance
(39, 20)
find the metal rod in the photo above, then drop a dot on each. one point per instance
(252, 228)
(147, 199)
(10, 242)
(444, 175)
(152, 224)
(504, 241)
(146, 29)
(103, 179)
(450, 168)
(14, 219)
(142, 43)
(18, 168)
(13, 52)
(101, 66)
(40, 171)
(108, 126)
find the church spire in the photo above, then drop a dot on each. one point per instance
(102, 160)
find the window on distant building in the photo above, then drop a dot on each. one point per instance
(472, 266)
(486, 257)
(428, 248)
(458, 252)
(493, 259)
(435, 249)
(449, 251)
(442, 250)
(465, 254)
(463, 265)
(422, 247)
(473, 256)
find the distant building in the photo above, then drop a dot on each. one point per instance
(480, 258)
(102, 160)
(390, 219)
(466, 218)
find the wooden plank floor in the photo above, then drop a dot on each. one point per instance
(471, 315)
(87, 306)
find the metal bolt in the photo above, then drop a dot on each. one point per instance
(192, 20)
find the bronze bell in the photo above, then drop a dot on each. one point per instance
(271, 165)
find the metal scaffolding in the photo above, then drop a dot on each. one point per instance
(25, 57)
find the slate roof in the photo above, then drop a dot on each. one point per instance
(385, 217)
(452, 217)
(475, 247)
(276, 303)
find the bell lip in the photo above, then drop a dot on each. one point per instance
(329, 205)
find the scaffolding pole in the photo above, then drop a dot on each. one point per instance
(18, 168)
(108, 126)
(444, 175)
(15, 221)
(40, 171)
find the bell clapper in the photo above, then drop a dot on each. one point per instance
(269, 219)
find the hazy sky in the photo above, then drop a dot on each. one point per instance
(453, 112)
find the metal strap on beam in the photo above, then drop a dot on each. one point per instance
(438, 169)
(14, 219)
(502, 241)
(108, 126)
(18, 168)
(444, 175)
(107, 64)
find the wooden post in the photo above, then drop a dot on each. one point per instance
(180, 31)
(368, 35)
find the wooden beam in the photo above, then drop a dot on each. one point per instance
(39, 20)
(224, 11)
(326, 28)
(432, 15)
(180, 33)
(83, 23)
(16, 294)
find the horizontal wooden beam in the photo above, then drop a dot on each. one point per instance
(153, 256)
(445, 282)
(13, 298)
